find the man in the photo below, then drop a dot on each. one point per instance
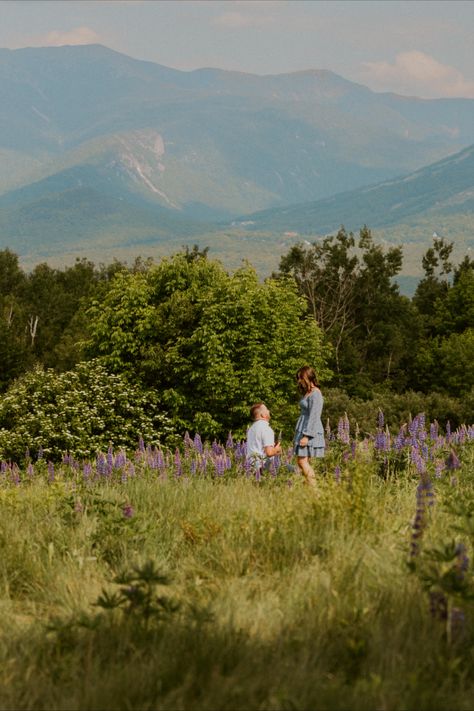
(260, 438)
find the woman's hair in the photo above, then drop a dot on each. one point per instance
(306, 377)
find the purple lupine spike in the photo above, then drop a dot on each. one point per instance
(380, 443)
(101, 464)
(342, 431)
(434, 430)
(87, 470)
(141, 444)
(452, 461)
(193, 466)
(440, 466)
(198, 443)
(130, 469)
(127, 511)
(120, 459)
(3, 467)
(353, 449)
(219, 465)
(178, 467)
(448, 431)
(337, 473)
(230, 442)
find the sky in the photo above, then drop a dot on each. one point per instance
(417, 47)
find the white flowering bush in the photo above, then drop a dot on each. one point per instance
(80, 411)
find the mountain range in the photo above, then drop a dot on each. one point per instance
(98, 149)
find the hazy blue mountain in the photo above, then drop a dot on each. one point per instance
(445, 188)
(210, 143)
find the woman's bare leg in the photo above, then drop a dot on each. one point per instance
(307, 470)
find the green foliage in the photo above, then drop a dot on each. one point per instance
(80, 411)
(398, 408)
(210, 343)
(351, 295)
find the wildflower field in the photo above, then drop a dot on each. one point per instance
(174, 579)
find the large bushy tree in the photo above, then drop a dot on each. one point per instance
(211, 343)
(348, 284)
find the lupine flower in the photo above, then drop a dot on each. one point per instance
(337, 473)
(198, 443)
(230, 442)
(452, 461)
(128, 511)
(141, 445)
(343, 429)
(120, 460)
(101, 465)
(178, 467)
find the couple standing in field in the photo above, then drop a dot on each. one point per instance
(309, 433)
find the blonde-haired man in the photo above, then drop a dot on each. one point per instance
(261, 438)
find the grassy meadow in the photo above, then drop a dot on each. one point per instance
(177, 580)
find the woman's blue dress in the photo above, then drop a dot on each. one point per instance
(310, 425)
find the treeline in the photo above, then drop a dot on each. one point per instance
(381, 338)
(207, 343)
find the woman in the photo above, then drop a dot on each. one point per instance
(309, 435)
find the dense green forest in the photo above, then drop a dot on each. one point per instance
(185, 345)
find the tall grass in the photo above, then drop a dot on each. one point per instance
(278, 597)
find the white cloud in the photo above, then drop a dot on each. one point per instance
(57, 38)
(240, 20)
(415, 72)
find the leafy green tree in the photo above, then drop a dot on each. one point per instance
(211, 343)
(433, 288)
(349, 289)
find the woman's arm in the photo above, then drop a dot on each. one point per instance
(313, 424)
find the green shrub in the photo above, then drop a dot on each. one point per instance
(397, 408)
(80, 412)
